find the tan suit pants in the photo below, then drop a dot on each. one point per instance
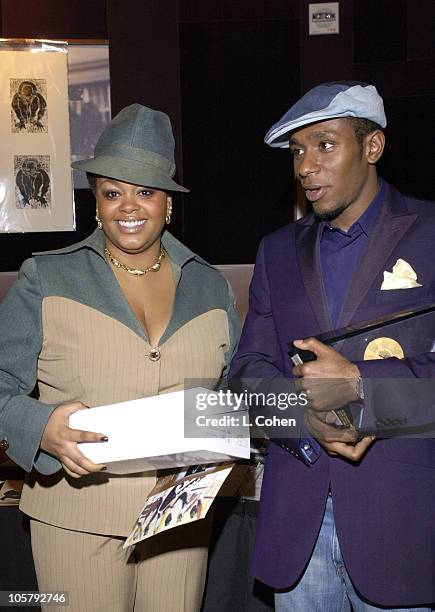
(165, 573)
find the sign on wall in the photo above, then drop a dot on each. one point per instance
(324, 18)
(35, 175)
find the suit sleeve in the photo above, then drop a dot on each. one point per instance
(401, 392)
(23, 418)
(399, 396)
(258, 347)
(255, 366)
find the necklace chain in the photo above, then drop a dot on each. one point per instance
(136, 271)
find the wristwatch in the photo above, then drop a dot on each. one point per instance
(359, 388)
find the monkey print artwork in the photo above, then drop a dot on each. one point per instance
(32, 181)
(28, 105)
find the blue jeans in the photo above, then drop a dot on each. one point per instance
(325, 585)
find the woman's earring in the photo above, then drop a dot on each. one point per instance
(168, 215)
(98, 220)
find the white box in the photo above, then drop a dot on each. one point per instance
(148, 433)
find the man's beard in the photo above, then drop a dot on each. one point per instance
(331, 214)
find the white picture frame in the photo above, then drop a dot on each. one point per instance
(35, 177)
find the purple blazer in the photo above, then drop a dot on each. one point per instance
(384, 506)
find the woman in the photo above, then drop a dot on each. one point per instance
(127, 313)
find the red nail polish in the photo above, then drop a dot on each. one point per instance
(104, 439)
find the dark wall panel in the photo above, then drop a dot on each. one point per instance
(145, 68)
(54, 19)
(398, 79)
(15, 248)
(390, 78)
(237, 80)
(243, 10)
(380, 30)
(144, 56)
(328, 57)
(420, 22)
(388, 54)
(408, 158)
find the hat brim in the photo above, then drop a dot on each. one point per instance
(129, 171)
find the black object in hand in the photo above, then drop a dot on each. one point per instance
(299, 356)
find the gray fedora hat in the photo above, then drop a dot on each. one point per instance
(136, 147)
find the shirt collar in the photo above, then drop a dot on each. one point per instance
(366, 220)
(178, 253)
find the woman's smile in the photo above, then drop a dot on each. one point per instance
(131, 226)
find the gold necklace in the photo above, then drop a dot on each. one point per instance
(134, 271)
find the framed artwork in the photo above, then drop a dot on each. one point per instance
(35, 176)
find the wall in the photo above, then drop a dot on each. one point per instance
(225, 71)
(240, 68)
(389, 43)
(82, 19)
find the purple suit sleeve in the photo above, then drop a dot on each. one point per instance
(258, 347)
(399, 396)
(256, 364)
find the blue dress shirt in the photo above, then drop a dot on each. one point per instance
(339, 255)
(340, 252)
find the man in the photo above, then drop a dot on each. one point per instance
(351, 522)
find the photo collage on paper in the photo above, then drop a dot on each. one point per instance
(29, 115)
(178, 499)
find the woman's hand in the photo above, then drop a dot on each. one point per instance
(61, 441)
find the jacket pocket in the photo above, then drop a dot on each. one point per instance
(403, 298)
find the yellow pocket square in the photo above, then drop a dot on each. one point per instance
(403, 276)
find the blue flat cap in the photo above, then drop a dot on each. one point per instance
(329, 101)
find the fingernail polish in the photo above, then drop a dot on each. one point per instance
(104, 439)
(103, 469)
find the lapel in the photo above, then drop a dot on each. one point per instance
(389, 228)
(308, 253)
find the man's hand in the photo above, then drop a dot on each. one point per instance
(330, 382)
(329, 363)
(348, 451)
(60, 440)
(337, 441)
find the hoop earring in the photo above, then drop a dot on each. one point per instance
(168, 215)
(98, 220)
